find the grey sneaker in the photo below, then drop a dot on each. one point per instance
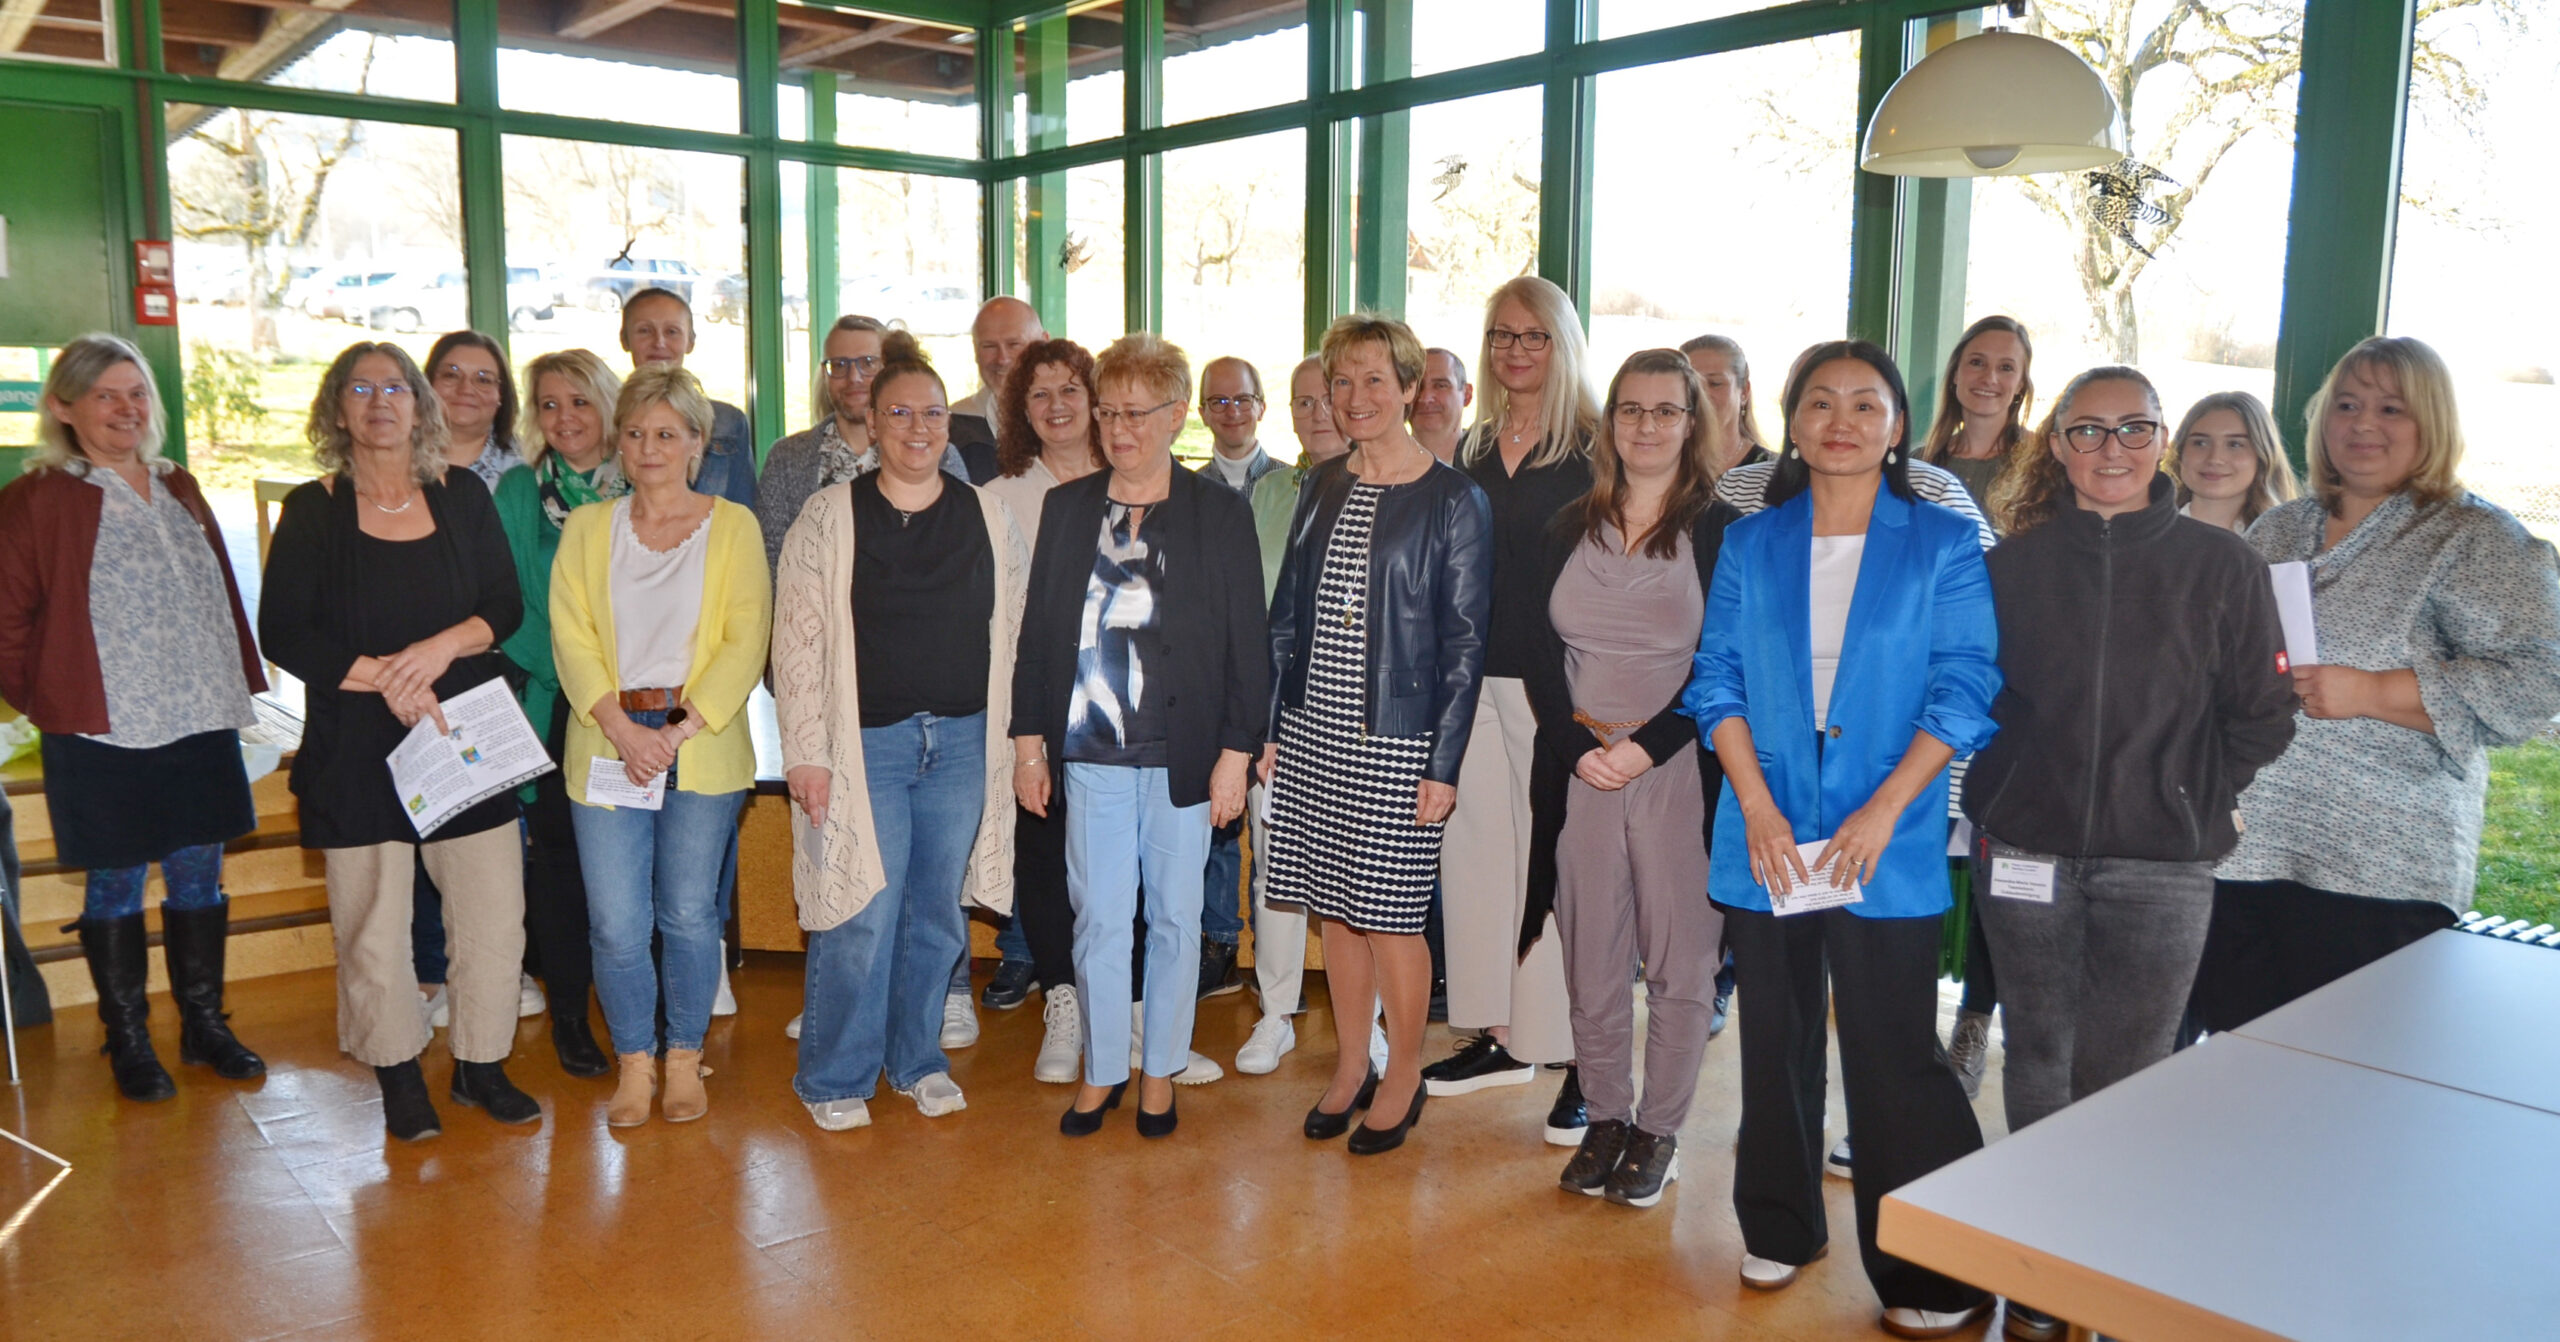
(841, 1115)
(959, 1020)
(1970, 1050)
(936, 1095)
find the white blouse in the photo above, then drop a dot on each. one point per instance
(1835, 581)
(657, 603)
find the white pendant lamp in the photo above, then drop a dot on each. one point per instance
(1995, 105)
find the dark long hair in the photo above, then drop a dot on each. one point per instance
(1693, 485)
(1017, 444)
(1791, 476)
(504, 426)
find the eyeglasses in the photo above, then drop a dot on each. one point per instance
(1108, 419)
(1223, 404)
(865, 364)
(2135, 434)
(478, 377)
(1630, 414)
(389, 390)
(1305, 405)
(1532, 341)
(933, 416)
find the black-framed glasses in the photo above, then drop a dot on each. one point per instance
(1108, 419)
(1629, 414)
(1532, 341)
(1247, 402)
(2135, 434)
(865, 364)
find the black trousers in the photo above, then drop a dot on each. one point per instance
(555, 888)
(2274, 941)
(1981, 988)
(1905, 1104)
(1040, 903)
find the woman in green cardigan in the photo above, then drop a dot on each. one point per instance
(568, 461)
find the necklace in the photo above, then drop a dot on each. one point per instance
(377, 504)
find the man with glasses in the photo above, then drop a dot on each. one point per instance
(657, 328)
(1440, 404)
(1231, 405)
(1005, 327)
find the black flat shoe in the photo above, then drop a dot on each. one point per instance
(407, 1113)
(575, 1041)
(1086, 1122)
(484, 1085)
(1369, 1141)
(1323, 1127)
(1159, 1125)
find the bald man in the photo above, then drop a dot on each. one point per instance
(1004, 328)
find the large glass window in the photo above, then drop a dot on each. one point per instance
(1392, 39)
(297, 236)
(1066, 77)
(381, 48)
(1234, 242)
(1257, 58)
(660, 65)
(903, 248)
(1743, 163)
(2472, 272)
(1447, 209)
(64, 30)
(1621, 17)
(588, 225)
(1093, 254)
(2173, 260)
(890, 83)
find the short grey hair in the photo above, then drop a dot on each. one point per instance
(332, 443)
(76, 369)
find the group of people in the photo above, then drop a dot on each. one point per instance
(1534, 694)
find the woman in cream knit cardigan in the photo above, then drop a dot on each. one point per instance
(898, 596)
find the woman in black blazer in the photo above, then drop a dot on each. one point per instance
(1142, 673)
(1620, 785)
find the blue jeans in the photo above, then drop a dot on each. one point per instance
(1122, 825)
(193, 876)
(876, 980)
(656, 871)
(1011, 944)
(1221, 903)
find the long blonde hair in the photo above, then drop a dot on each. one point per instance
(2419, 375)
(2273, 484)
(1569, 414)
(76, 369)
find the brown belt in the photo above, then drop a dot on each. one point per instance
(1606, 731)
(651, 701)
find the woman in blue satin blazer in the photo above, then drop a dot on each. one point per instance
(1848, 655)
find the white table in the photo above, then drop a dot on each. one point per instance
(2331, 1182)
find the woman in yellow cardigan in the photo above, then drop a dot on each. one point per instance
(660, 613)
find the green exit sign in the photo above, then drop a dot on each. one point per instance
(19, 398)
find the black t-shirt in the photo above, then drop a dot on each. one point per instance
(924, 588)
(1524, 502)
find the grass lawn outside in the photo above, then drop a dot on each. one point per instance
(2520, 837)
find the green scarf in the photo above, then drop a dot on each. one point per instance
(565, 489)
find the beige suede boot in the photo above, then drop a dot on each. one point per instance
(685, 1100)
(631, 1095)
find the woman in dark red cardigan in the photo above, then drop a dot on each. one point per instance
(122, 638)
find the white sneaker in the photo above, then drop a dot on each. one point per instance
(1200, 1072)
(529, 999)
(1062, 1038)
(724, 1002)
(936, 1095)
(841, 1115)
(791, 1027)
(437, 1007)
(959, 1020)
(1767, 1274)
(1272, 1037)
(1837, 1163)
(1904, 1321)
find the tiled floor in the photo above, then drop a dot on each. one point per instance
(275, 1209)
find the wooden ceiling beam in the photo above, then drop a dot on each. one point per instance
(586, 19)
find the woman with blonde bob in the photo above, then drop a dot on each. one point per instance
(1530, 452)
(661, 612)
(2439, 620)
(122, 639)
(1621, 784)
(568, 464)
(2228, 462)
(388, 588)
(893, 707)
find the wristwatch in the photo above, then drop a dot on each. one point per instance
(675, 716)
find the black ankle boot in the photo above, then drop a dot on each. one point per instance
(573, 1038)
(193, 940)
(118, 950)
(407, 1113)
(484, 1085)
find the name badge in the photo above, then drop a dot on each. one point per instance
(2014, 875)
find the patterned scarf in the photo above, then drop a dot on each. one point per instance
(837, 461)
(565, 489)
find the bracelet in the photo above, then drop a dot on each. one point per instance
(1025, 764)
